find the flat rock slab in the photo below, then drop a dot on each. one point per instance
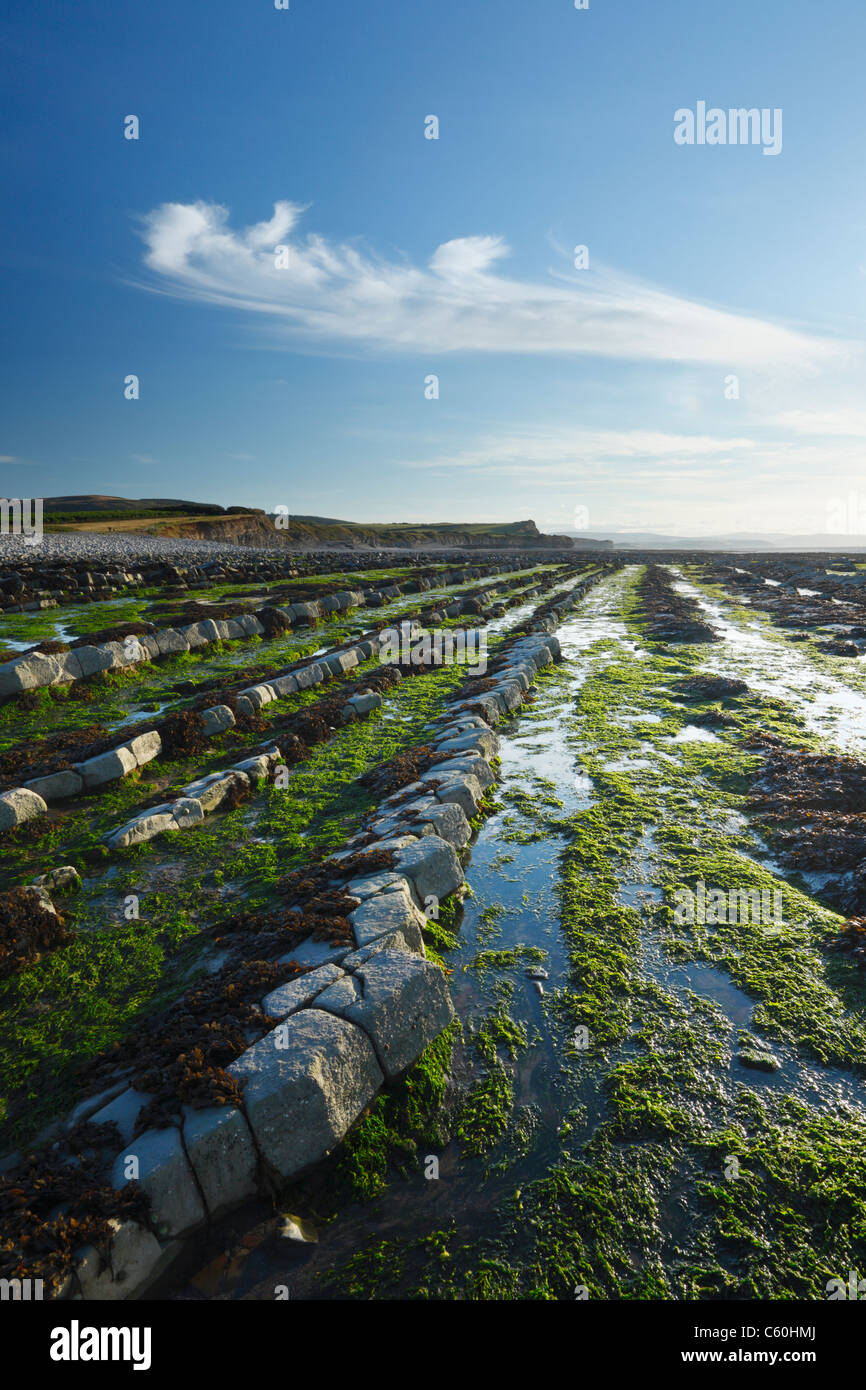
(315, 953)
(122, 1110)
(295, 994)
(482, 741)
(400, 1000)
(305, 1083)
(375, 883)
(386, 913)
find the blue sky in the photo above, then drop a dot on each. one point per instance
(559, 389)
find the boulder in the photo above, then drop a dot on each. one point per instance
(283, 686)
(510, 693)
(309, 676)
(464, 791)
(111, 656)
(19, 805)
(361, 704)
(389, 913)
(214, 629)
(216, 720)
(134, 1258)
(194, 636)
(57, 786)
(259, 695)
(145, 747)
(459, 766)
(339, 662)
(143, 828)
(482, 741)
(449, 823)
(213, 790)
(305, 1083)
(186, 812)
(106, 767)
(304, 612)
(28, 673)
(59, 880)
(254, 768)
(401, 1001)
(432, 865)
(220, 1149)
(170, 641)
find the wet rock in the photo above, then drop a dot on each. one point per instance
(460, 766)
(465, 792)
(482, 741)
(28, 673)
(143, 828)
(449, 823)
(283, 686)
(361, 704)
(432, 865)
(309, 676)
(375, 883)
(213, 790)
(170, 641)
(758, 1060)
(186, 812)
(311, 954)
(122, 1110)
(259, 695)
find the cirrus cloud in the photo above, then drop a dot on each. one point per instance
(460, 301)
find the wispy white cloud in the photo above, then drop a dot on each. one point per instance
(845, 421)
(565, 454)
(460, 301)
